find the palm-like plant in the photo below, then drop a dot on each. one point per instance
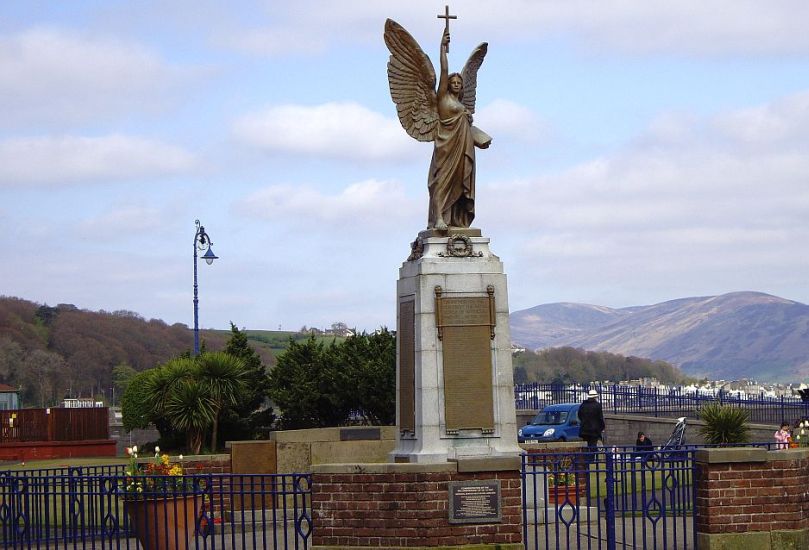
(222, 375)
(190, 393)
(158, 387)
(190, 409)
(724, 424)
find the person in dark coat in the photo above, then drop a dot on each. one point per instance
(643, 443)
(591, 421)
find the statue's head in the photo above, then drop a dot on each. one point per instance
(456, 84)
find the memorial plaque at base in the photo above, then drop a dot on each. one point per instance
(474, 501)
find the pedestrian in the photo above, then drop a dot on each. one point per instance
(643, 444)
(591, 421)
(782, 436)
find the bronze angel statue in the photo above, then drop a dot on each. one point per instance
(443, 116)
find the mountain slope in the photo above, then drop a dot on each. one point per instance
(740, 334)
(553, 325)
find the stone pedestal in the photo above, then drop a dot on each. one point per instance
(455, 384)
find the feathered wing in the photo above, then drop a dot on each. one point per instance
(470, 75)
(412, 83)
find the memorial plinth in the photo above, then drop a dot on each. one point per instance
(455, 385)
(418, 506)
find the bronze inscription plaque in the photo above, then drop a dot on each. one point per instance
(474, 501)
(466, 325)
(406, 335)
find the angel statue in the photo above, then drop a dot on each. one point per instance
(443, 116)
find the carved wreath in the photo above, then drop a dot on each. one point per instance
(460, 246)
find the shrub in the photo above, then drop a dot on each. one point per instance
(724, 424)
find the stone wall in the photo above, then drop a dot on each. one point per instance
(752, 498)
(298, 450)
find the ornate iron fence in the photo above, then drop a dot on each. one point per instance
(662, 402)
(621, 498)
(102, 508)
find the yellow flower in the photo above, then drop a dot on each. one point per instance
(165, 460)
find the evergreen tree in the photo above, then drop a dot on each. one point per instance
(368, 368)
(305, 385)
(251, 416)
(317, 385)
(135, 407)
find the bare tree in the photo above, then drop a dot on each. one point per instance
(41, 371)
(11, 355)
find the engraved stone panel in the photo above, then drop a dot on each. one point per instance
(406, 336)
(467, 360)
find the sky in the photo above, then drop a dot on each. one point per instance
(643, 151)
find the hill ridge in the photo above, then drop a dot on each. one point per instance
(733, 335)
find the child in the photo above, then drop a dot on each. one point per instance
(782, 436)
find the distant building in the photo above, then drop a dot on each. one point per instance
(9, 398)
(81, 403)
(645, 382)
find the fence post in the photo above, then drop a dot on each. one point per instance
(610, 500)
(615, 398)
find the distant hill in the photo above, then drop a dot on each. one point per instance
(54, 351)
(735, 335)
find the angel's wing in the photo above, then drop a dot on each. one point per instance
(412, 83)
(470, 75)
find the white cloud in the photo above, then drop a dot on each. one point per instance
(308, 26)
(122, 221)
(502, 118)
(335, 130)
(693, 27)
(688, 26)
(783, 123)
(49, 75)
(705, 208)
(71, 159)
(360, 206)
(274, 41)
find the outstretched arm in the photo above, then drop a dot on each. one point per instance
(443, 81)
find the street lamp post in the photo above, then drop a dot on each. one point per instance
(201, 242)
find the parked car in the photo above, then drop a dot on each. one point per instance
(554, 423)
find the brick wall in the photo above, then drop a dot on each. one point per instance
(206, 464)
(752, 496)
(406, 505)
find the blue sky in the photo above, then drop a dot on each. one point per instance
(643, 151)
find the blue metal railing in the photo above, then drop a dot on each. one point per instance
(100, 507)
(661, 402)
(608, 499)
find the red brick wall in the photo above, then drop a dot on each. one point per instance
(205, 465)
(761, 495)
(406, 509)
